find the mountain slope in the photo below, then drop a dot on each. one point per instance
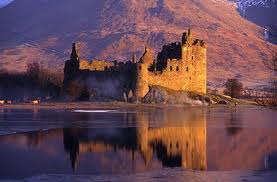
(262, 13)
(39, 30)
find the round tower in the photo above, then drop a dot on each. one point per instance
(141, 88)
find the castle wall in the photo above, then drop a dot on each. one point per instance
(95, 65)
(108, 84)
(185, 75)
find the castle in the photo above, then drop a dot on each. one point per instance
(180, 66)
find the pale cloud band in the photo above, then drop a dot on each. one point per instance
(5, 3)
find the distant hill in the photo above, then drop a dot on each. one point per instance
(39, 30)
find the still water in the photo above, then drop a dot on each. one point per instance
(170, 144)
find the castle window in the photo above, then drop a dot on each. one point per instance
(170, 68)
(140, 67)
(187, 68)
(177, 68)
(192, 57)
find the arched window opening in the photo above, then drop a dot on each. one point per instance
(177, 68)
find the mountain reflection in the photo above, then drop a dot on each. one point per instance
(179, 140)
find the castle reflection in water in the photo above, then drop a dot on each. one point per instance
(174, 139)
(136, 140)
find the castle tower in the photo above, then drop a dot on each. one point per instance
(74, 54)
(187, 42)
(141, 87)
(194, 59)
(201, 67)
(71, 67)
(147, 57)
(187, 38)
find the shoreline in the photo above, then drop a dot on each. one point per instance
(111, 105)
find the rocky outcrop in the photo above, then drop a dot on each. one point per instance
(160, 95)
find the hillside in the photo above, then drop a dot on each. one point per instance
(39, 30)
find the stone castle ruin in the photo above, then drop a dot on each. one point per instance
(180, 66)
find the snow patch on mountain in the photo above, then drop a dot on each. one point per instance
(244, 4)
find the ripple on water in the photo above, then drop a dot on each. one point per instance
(165, 175)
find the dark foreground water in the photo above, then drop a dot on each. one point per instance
(138, 145)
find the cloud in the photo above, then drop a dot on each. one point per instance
(4, 3)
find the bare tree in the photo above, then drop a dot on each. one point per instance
(233, 88)
(271, 99)
(33, 70)
(272, 64)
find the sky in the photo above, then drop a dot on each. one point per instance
(5, 3)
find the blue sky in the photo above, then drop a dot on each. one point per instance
(5, 2)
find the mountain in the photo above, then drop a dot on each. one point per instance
(43, 30)
(244, 4)
(262, 13)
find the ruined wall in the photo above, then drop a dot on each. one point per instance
(108, 85)
(96, 65)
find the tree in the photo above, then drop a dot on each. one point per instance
(75, 90)
(33, 70)
(272, 64)
(233, 88)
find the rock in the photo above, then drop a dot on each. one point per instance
(161, 95)
(156, 95)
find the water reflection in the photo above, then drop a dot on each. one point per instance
(137, 141)
(234, 124)
(183, 145)
(271, 161)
